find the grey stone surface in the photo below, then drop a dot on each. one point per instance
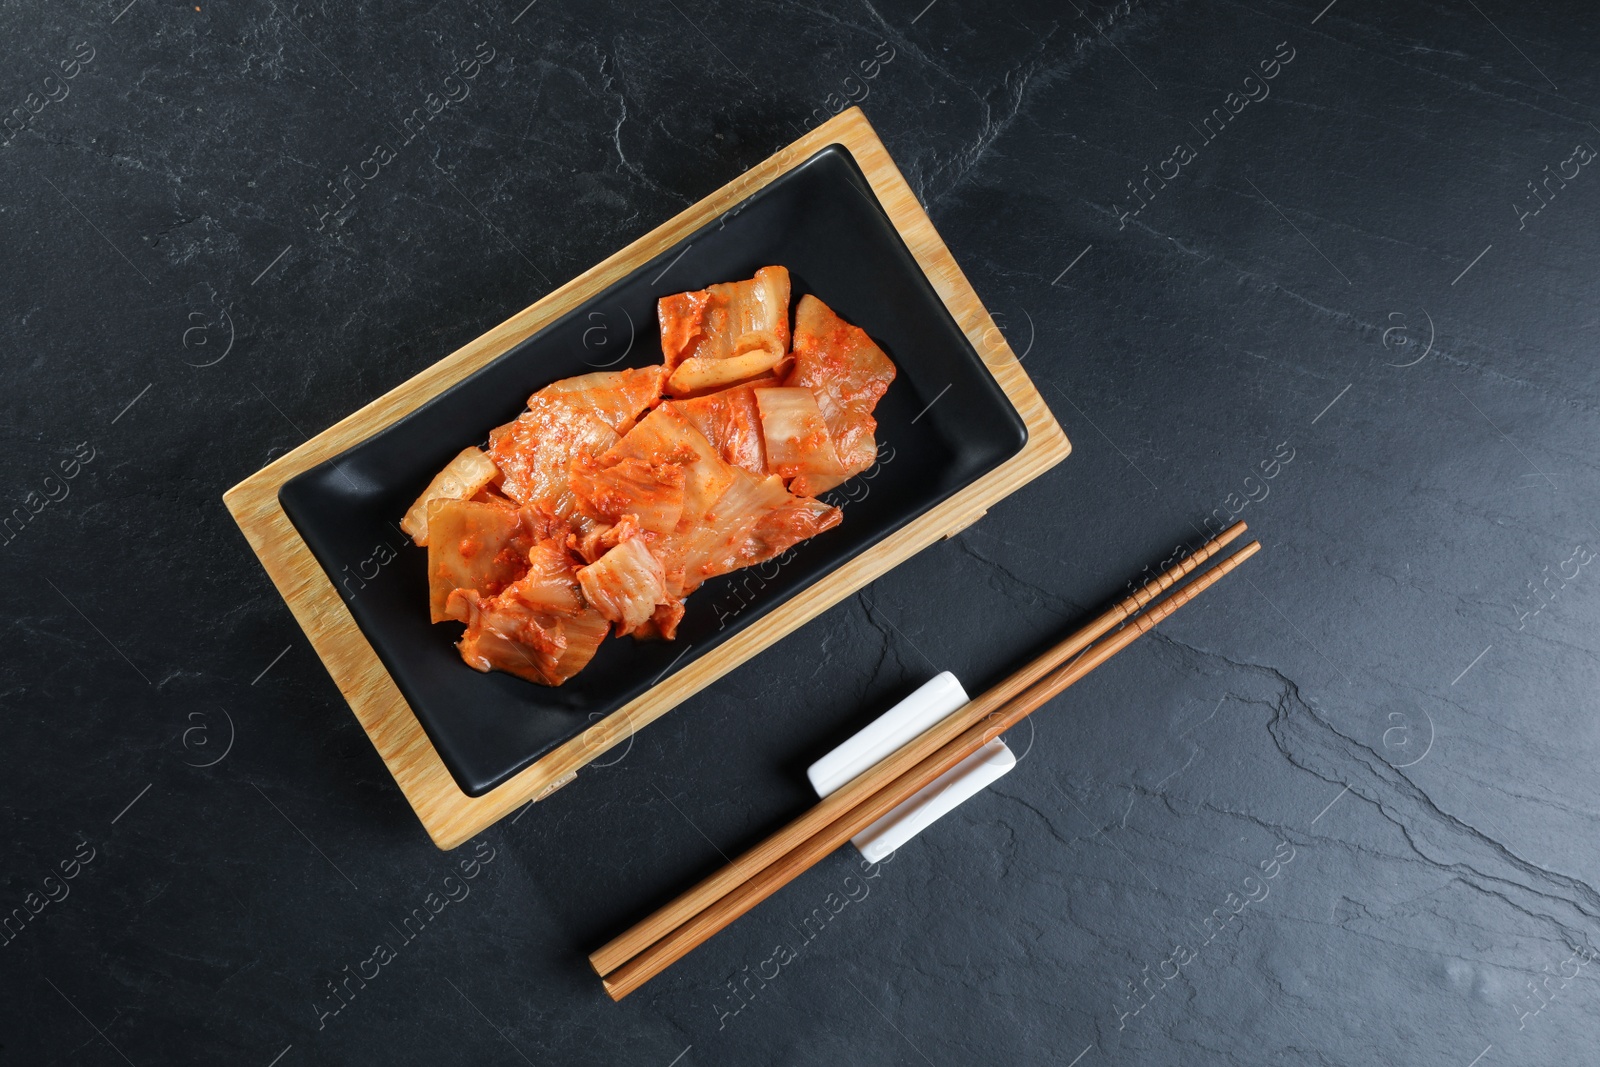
(1391, 712)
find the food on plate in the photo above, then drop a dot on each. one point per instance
(474, 545)
(730, 420)
(757, 354)
(566, 423)
(615, 495)
(848, 374)
(795, 432)
(461, 479)
(718, 322)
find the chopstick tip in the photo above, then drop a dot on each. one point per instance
(1221, 539)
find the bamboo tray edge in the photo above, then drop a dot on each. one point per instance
(449, 815)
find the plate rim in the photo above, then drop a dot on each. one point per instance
(440, 734)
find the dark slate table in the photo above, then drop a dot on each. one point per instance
(1331, 269)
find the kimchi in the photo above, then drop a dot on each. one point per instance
(615, 495)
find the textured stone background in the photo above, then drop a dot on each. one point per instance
(1398, 695)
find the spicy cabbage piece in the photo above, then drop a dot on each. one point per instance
(730, 420)
(796, 434)
(683, 321)
(663, 625)
(664, 622)
(600, 539)
(568, 422)
(755, 354)
(550, 583)
(583, 633)
(774, 531)
(473, 545)
(615, 397)
(665, 436)
(651, 493)
(537, 452)
(711, 322)
(848, 374)
(625, 584)
(814, 485)
(462, 478)
(537, 628)
(755, 520)
(505, 635)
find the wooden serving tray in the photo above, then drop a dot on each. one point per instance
(449, 815)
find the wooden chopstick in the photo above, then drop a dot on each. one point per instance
(657, 925)
(680, 911)
(678, 943)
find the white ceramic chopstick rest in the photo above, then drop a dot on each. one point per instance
(934, 700)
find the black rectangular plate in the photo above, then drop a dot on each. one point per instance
(821, 221)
